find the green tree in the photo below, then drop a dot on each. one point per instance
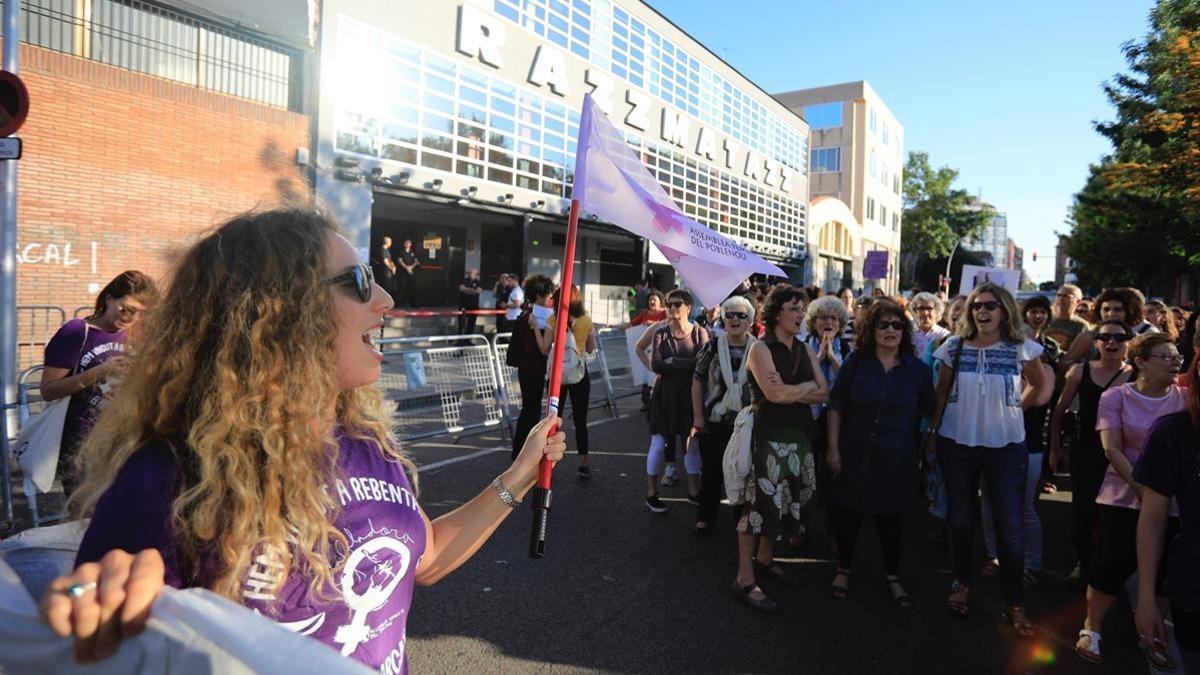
(936, 217)
(1137, 219)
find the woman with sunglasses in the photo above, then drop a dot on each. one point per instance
(1035, 313)
(1127, 414)
(1088, 380)
(979, 428)
(785, 379)
(674, 347)
(719, 393)
(85, 355)
(880, 395)
(1122, 304)
(249, 451)
(927, 311)
(1169, 469)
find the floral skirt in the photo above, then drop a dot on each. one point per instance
(783, 479)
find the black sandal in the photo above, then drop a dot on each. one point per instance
(840, 592)
(776, 573)
(762, 604)
(901, 598)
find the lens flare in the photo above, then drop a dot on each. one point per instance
(1043, 655)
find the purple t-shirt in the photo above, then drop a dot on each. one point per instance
(379, 516)
(79, 346)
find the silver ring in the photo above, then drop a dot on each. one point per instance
(78, 590)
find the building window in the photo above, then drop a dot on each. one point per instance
(870, 208)
(827, 160)
(872, 121)
(883, 215)
(824, 115)
(896, 183)
(895, 222)
(872, 165)
(885, 133)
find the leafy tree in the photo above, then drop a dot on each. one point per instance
(936, 218)
(1137, 219)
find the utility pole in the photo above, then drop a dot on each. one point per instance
(8, 278)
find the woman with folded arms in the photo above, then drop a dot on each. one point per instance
(1127, 414)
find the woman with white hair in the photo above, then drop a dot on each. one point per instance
(826, 319)
(927, 309)
(719, 392)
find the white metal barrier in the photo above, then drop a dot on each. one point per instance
(442, 385)
(597, 371)
(36, 324)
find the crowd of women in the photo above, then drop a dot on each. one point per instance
(265, 367)
(867, 402)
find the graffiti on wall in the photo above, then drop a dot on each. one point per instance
(60, 254)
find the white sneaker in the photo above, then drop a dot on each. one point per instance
(669, 477)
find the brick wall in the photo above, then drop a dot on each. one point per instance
(120, 169)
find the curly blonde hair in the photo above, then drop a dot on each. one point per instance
(234, 373)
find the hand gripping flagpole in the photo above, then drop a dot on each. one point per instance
(541, 492)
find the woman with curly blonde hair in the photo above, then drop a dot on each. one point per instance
(248, 451)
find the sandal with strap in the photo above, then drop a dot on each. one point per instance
(840, 591)
(762, 603)
(958, 601)
(776, 573)
(1157, 653)
(899, 595)
(1089, 651)
(1015, 617)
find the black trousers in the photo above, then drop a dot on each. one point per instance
(466, 322)
(580, 395)
(405, 290)
(1087, 473)
(533, 385)
(848, 522)
(712, 477)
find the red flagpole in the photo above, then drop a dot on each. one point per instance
(542, 491)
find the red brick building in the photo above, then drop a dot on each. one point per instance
(122, 167)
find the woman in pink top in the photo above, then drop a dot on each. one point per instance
(1126, 416)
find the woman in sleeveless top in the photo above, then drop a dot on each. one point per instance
(1089, 379)
(785, 379)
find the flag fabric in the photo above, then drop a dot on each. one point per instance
(611, 182)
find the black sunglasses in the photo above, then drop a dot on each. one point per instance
(359, 277)
(884, 325)
(989, 305)
(1112, 337)
(737, 316)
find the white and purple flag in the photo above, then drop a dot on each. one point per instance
(611, 182)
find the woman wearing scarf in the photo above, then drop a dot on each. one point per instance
(718, 393)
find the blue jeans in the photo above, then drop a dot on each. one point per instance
(1003, 470)
(1032, 523)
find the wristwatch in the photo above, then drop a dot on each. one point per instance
(505, 496)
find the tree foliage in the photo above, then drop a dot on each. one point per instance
(1137, 219)
(936, 216)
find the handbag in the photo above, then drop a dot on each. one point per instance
(38, 445)
(736, 463)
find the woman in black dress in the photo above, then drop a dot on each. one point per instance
(1088, 463)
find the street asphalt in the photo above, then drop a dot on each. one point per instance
(624, 590)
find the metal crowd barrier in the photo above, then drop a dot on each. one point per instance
(598, 371)
(36, 324)
(442, 385)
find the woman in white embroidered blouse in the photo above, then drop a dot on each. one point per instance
(979, 428)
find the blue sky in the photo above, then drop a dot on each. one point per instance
(1004, 92)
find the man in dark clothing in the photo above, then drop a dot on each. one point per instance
(501, 293)
(408, 263)
(383, 266)
(468, 299)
